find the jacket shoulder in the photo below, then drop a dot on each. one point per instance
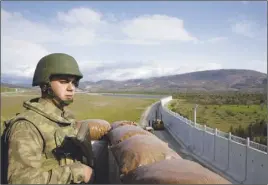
(25, 120)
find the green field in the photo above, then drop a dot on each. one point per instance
(7, 89)
(85, 106)
(220, 116)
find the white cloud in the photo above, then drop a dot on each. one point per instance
(105, 46)
(16, 26)
(138, 42)
(156, 28)
(80, 16)
(147, 70)
(217, 39)
(19, 57)
(247, 28)
(79, 34)
(25, 41)
(212, 40)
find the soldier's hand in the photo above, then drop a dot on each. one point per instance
(88, 173)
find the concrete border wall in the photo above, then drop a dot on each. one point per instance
(242, 160)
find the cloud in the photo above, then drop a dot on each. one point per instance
(17, 27)
(69, 30)
(156, 28)
(138, 42)
(107, 46)
(24, 42)
(217, 39)
(75, 31)
(211, 40)
(19, 57)
(248, 28)
(80, 16)
(139, 69)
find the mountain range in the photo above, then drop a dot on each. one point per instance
(208, 81)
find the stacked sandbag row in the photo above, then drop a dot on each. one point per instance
(142, 158)
(173, 171)
(98, 131)
(98, 127)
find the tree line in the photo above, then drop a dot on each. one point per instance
(256, 131)
(234, 98)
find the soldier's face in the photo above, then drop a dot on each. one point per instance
(64, 87)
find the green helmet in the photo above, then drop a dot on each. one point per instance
(55, 64)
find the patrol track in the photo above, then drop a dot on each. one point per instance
(165, 136)
(172, 143)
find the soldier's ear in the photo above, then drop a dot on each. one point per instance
(44, 88)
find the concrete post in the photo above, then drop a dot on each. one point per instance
(204, 134)
(246, 160)
(195, 114)
(191, 137)
(229, 142)
(215, 136)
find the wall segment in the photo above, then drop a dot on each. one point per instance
(243, 161)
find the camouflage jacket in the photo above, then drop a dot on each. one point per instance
(32, 137)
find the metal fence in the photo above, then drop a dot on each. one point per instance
(258, 146)
(239, 139)
(211, 130)
(234, 138)
(222, 134)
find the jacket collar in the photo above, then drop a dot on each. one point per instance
(48, 110)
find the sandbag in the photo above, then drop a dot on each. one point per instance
(98, 127)
(122, 133)
(174, 171)
(100, 151)
(116, 124)
(140, 150)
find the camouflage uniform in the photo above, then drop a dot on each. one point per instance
(34, 135)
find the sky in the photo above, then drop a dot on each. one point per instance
(123, 40)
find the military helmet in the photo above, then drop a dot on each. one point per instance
(55, 64)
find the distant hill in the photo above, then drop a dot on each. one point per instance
(206, 81)
(8, 85)
(209, 80)
(13, 80)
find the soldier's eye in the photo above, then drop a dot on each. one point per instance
(75, 83)
(63, 81)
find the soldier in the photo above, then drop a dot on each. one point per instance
(43, 125)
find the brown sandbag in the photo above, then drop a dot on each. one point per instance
(116, 124)
(98, 127)
(174, 171)
(140, 150)
(122, 133)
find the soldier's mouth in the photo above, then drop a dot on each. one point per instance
(69, 96)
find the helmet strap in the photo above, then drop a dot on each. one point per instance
(56, 100)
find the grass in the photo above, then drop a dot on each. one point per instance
(7, 89)
(137, 92)
(109, 108)
(220, 116)
(85, 106)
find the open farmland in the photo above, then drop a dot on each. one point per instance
(7, 89)
(85, 106)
